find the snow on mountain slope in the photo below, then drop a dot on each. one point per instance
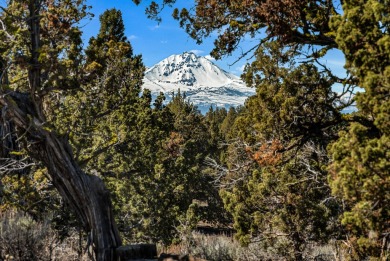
(204, 83)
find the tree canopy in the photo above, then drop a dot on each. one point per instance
(295, 105)
(290, 169)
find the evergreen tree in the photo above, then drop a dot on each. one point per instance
(213, 120)
(198, 144)
(228, 123)
(111, 127)
(276, 186)
(112, 30)
(360, 169)
(41, 46)
(161, 177)
(307, 30)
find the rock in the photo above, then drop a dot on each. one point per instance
(137, 252)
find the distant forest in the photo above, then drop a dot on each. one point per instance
(85, 151)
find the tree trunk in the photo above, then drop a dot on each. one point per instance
(86, 194)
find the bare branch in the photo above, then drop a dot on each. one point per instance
(244, 54)
(239, 169)
(8, 165)
(4, 29)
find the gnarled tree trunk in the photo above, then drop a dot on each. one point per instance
(86, 194)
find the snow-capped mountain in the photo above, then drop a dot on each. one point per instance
(204, 83)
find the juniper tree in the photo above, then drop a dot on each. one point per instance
(359, 173)
(279, 193)
(307, 30)
(42, 69)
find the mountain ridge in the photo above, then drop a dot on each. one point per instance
(203, 82)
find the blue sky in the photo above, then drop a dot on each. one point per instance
(158, 41)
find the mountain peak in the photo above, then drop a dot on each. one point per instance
(189, 53)
(204, 83)
(190, 70)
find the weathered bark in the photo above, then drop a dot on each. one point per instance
(86, 194)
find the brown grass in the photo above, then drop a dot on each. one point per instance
(22, 238)
(225, 248)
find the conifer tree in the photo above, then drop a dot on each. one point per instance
(45, 79)
(112, 30)
(291, 109)
(213, 120)
(104, 119)
(360, 168)
(160, 174)
(103, 108)
(276, 187)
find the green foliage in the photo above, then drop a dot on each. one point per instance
(228, 122)
(161, 162)
(151, 157)
(199, 146)
(58, 59)
(29, 193)
(290, 21)
(295, 106)
(94, 117)
(160, 175)
(292, 104)
(360, 169)
(360, 175)
(60, 47)
(276, 184)
(110, 40)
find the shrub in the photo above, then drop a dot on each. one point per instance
(22, 239)
(226, 248)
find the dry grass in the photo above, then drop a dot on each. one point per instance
(225, 248)
(216, 248)
(22, 238)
